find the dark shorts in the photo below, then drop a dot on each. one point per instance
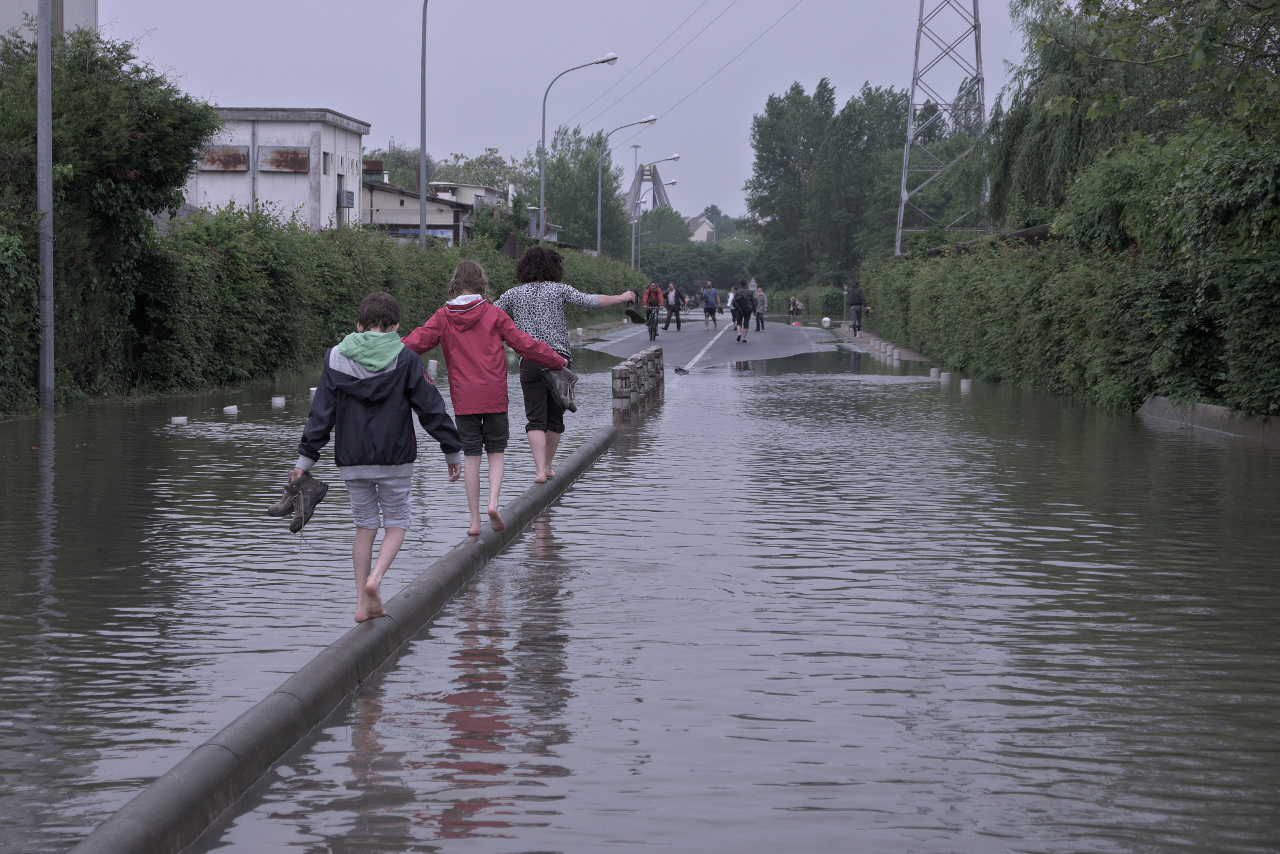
(489, 431)
(709, 311)
(540, 409)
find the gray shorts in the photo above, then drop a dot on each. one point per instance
(489, 431)
(385, 497)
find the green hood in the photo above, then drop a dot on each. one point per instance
(374, 350)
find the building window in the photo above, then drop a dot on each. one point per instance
(402, 203)
(326, 158)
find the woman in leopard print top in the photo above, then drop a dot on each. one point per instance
(537, 307)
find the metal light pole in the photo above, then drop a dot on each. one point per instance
(607, 59)
(632, 214)
(600, 172)
(422, 140)
(643, 233)
(44, 198)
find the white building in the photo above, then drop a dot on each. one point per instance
(475, 195)
(701, 229)
(396, 212)
(65, 14)
(289, 161)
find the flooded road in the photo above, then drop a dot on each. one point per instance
(810, 604)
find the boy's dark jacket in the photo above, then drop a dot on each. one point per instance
(372, 413)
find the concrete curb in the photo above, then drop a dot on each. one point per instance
(1211, 417)
(173, 811)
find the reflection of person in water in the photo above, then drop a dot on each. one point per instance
(506, 699)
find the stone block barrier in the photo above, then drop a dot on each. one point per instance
(638, 385)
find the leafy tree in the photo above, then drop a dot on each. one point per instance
(402, 164)
(490, 169)
(124, 141)
(688, 262)
(664, 225)
(572, 163)
(786, 138)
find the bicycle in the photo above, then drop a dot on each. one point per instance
(651, 320)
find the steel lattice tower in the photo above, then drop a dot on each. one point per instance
(921, 167)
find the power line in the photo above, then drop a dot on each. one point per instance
(713, 76)
(637, 66)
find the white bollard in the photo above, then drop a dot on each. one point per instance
(178, 419)
(946, 377)
(826, 323)
(897, 354)
(313, 394)
(966, 386)
(277, 402)
(579, 331)
(432, 367)
(935, 373)
(230, 410)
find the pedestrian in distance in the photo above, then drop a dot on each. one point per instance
(537, 307)
(471, 331)
(735, 312)
(710, 305)
(857, 305)
(762, 302)
(745, 303)
(674, 300)
(369, 391)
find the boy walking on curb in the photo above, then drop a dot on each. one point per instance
(471, 331)
(369, 390)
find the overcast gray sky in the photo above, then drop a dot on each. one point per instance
(491, 61)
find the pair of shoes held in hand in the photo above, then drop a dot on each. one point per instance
(300, 498)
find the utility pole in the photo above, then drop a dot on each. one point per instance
(422, 140)
(920, 166)
(44, 197)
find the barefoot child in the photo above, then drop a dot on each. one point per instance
(471, 330)
(369, 389)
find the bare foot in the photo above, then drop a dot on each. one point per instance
(474, 530)
(373, 597)
(495, 520)
(551, 473)
(542, 478)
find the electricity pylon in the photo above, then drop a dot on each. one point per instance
(947, 43)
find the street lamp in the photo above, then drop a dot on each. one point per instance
(643, 233)
(600, 171)
(607, 59)
(635, 214)
(422, 141)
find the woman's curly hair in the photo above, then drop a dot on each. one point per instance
(539, 264)
(468, 278)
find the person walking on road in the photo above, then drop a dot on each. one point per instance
(744, 306)
(537, 306)
(674, 298)
(857, 305)
(710, 305)
(762, 302)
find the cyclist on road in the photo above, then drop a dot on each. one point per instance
(652, 302)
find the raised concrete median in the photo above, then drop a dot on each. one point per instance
(173, 811)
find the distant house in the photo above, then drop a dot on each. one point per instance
(294, 161)
(64, 14)
(701, 229)
(475, 195)
(397, 214)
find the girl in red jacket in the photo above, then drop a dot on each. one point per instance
(471, 331)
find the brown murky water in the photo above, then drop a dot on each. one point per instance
(810, 605)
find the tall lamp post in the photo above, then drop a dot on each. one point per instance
(422, 140)
(607, 59)
(643, 233)
(635, 215)
(600, 171)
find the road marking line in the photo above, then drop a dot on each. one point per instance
(706, 348)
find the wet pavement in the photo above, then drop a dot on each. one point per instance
(812, 603)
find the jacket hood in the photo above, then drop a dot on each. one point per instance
(466, 311)
(374, 350)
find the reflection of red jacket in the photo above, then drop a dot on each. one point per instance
(471, 335)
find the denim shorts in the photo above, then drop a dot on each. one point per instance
(385, 496)
(489, 431)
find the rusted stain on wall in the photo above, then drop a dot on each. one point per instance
(226, 158)
(284, 158)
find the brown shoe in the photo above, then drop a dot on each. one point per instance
(284, 506)
(310, 492)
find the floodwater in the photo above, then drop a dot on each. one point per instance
(810, 604)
